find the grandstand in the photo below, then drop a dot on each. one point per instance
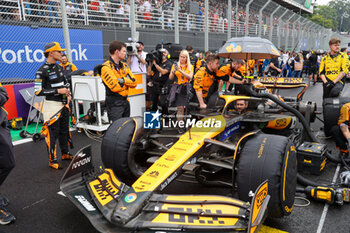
(27, 25)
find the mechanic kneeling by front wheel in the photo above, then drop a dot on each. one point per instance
(271, 157)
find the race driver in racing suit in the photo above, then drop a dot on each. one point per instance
(332, 70)
(51, 83)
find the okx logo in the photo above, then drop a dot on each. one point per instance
(151, 120)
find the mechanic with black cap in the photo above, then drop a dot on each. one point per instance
(7, 159)
(52, 83)
(332, 70)
(117, 78)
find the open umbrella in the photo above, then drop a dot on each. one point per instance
(248, 48)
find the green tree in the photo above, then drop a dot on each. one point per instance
(342, 7)
(325, 16)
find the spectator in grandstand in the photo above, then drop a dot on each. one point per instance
(93, 12)
(333, 68)
(71, 12)
(52, 11)
(183, 73)
(137, 62)
(7, 159)
(159, 73)
(120, 14)
(146, 11)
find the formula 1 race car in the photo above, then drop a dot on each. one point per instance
(247, 151)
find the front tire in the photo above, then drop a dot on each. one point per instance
(271, 157)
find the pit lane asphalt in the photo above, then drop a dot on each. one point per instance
(32, 188)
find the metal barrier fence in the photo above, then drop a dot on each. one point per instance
(27, 25)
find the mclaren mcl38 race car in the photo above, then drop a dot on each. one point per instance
(253, 153)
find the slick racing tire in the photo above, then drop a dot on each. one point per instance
(272, 158)
(115, 148)
(331, 111)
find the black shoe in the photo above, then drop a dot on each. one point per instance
(4, 201)
(5, 216)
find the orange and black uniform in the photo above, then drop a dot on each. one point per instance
(7, 159)
(48, 79)
(331, 66)
(344, 118)
(224, 73)
(117, 79)
(200, 63)
(207, 82)
(182, 84)
(68, 68)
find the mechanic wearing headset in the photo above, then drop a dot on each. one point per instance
(51, 83)
(118, 78)
(340, 132)
(332, 70)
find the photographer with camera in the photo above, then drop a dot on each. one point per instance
(158, 69)
(137, 58)
(183, 73)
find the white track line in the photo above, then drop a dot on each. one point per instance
(326, 206)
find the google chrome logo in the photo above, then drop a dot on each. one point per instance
(130, 197)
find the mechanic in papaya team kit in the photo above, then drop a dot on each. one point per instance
(340, 132)
(7, 159)
(52, 83)
(118, 78)
(333, 69)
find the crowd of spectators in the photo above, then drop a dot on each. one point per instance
(149, 13)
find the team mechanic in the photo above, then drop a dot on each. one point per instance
(230, 72)
(340, 132)
(51, 83)
(333, 68)
(118, 78)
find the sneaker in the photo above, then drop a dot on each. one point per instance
(5, 216)
(55, 165)
(67, 156)
(4, 201)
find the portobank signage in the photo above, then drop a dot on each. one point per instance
(21, 49)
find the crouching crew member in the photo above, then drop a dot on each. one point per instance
(332, 70)
(204, 78)
(7, 159)
(51, 83)
(118, 78)
(230, 72)
(340, 132)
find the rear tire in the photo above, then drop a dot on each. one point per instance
(271, 157)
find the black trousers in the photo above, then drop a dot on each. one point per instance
(330, 92)
(7, 159)
(159, 99)
(60, 130)
(340, 140)
(117, 108)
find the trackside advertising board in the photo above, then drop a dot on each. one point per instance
(21, 49)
